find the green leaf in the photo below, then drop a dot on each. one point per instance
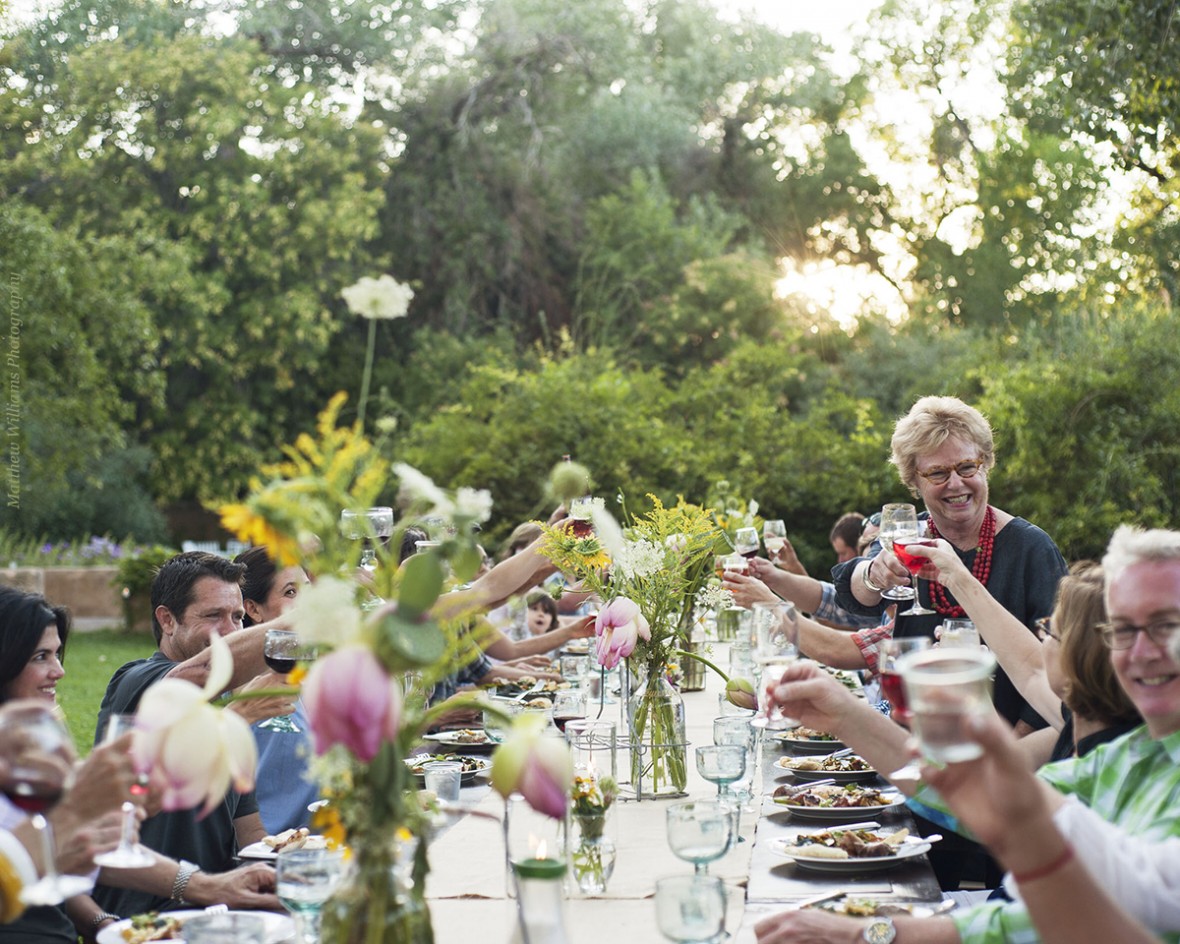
(422, 582)
(465, 563)
(409, 644)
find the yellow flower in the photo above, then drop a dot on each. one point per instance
(241, 521)
(297, 674)
(326, 821)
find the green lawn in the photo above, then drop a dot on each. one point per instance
(91, 660)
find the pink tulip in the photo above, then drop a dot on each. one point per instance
(740, 692)
(351, 700)
(618, 627)
(534, 765)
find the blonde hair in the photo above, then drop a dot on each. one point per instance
(931, 422)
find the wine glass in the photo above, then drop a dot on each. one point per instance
(690, 909)
(897, 519)
(914, 562)
(700, 832)
(569, 704)
(774, 536)
(945, 688)
(722, 764)
(746, 543)
(736, 730)
(776, 630)
(40, 770)
(305, 879)
(128, 854)
(366, 525)
(891, 652)
(281, 652)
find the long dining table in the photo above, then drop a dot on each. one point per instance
(467, 887)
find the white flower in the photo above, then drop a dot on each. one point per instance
(473, 504)
(196, 749)
(639, 559)
(608, 530)
(713, 596)
(382, 298)
(421, 493)
(326, 612)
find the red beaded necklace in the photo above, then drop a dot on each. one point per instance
(981, 567)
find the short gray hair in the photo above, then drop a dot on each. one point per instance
(1130, 545)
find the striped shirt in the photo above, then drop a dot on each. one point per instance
(1133, 782)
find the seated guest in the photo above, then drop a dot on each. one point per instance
(194, 595)
(844, 535)
(1131, 782)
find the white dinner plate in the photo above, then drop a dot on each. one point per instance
(838, 776)
(808, 745)
(788, 850)
(845, 814)
(257, 850)
(482, 766)
(454, 740)
(279, 927)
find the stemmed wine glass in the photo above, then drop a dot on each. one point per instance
(746, 543)
(776, 631)
(722, 764)
(897, 520)
(127, 854)
(774, 536)
(700, 832)
(281, 652)
(914, 562)
(736, 730)
(305, 879)
(366, 525)
(690, 909)
(40, 771)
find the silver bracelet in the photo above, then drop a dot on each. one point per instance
(864, 577)
(180, 883)
(100, 918)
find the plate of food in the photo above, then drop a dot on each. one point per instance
(850, 850)
(169, 926)
(577, 647)
(849, 679)
(809, 741)
(470, 738)
(472, 766)
(269, 847)
(847, 769)
(873, 908)
(837, 802)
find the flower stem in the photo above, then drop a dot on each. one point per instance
(368, 374)
(701, 659)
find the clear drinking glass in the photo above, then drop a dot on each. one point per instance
(774, 536)
(776, 630)
(959, 634)
(736, 730)
(690, 909)
(700, 832)
(945, 688)
(746, 543)
(305, 879)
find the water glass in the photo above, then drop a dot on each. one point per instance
(959, 634)
(234, 928)
(700, 831)
(442, 778)
(736, 730)
(690, 909)
(305, 879)
(573, 668)
(594, 744)
(945, 688)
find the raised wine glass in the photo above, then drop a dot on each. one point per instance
(281, 652)
(700, 832)
(774, 536)
(897, 519)
(914, 562)
(128, 854)
(746, 543)
(40, 770)
(776, 631)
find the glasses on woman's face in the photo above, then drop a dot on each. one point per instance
(1122, 635)
(941, 474)
(1044, 628)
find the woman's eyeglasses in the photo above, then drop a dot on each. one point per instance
(941, 474)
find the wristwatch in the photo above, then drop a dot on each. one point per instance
(880, 931)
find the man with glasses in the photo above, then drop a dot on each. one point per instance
(1118, 807)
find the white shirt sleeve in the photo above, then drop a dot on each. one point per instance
(1141, 875)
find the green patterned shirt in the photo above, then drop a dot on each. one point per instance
(1133, 782)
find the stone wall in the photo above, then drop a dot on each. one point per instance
(89, 593)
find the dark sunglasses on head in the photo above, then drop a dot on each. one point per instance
(873, 519)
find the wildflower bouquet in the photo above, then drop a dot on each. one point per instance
(382, 651)
(592, 857)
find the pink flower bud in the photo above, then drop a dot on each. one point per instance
(740, 692)
(352, 701)
(534, 765)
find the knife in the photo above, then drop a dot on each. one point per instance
(817, 900)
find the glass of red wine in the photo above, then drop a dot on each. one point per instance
(581, 516)
(128, 854)
(902, 541)
(281, 651)
(892, 652)
(569, 704)
(40, 757)
(746, 542)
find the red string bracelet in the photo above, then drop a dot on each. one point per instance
(1060, 862)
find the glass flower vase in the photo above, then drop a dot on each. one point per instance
(592, 853)
(659, 745)
(383, 898)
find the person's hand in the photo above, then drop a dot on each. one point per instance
(266, 706)
(251, 887)
(996, 796)
(810, 694)
(77, 848)
(810, 926)
(583, 628)
(102, 782)
(886, 571)
(787, 559)
(541, 662)
(747, 590)
(945, 565)
(559, 514)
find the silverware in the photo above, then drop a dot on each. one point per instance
(817, 900)
(803, 788)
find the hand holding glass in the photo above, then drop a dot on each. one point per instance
(776, 630)
(281, 652)
(128, 854)
(897, 518)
